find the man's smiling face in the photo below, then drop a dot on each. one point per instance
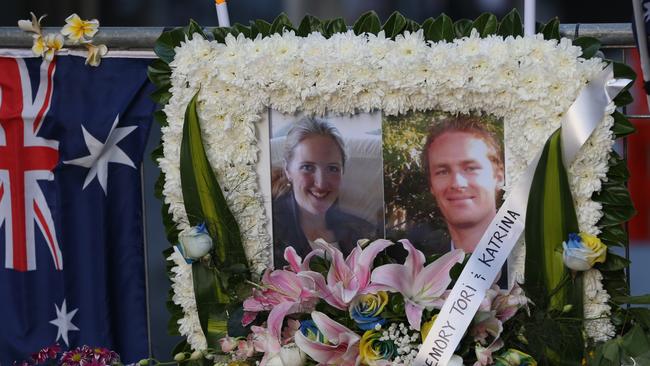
(463, 179)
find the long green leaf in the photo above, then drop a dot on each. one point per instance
(550, 218)
(204, 201)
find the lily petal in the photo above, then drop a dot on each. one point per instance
(413, 314)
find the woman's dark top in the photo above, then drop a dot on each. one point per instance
(287, 231)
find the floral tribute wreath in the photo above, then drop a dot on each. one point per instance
(327, 309)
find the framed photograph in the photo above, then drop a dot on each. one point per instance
(326, 181)
(443, 178)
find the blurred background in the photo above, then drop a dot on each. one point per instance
(177, 12)
(170, 13)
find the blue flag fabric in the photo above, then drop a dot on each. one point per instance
(71, 236)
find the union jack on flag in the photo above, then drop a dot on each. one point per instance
(26, 158)
(71, 142)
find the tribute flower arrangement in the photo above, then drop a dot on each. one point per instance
(333, 310)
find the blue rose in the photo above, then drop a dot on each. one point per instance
(366, 310)
(582, 251)
(195, 243)
(309, 329)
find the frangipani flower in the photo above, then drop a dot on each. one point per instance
(78, 30)
(347, 278)
(47, 46)
(338, 346)
(95, 54)
(422, 287)
(33, 25)
(582, 251)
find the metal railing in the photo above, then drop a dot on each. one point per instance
(612, 35)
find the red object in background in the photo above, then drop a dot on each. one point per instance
(638, 156)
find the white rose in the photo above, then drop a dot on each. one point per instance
(288, 356)
(195, 243)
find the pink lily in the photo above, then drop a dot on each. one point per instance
(296, 263)
(422, 287)
(267, 339)
(346, 278)
(278, 287)
(342, 347)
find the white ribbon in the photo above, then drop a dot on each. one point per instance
(497, 242)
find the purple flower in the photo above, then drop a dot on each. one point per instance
(46, 354)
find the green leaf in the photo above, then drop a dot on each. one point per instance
(635, 341)
(220, 33)
(161, 95)
(612, 351)
(614, 195)
(394, 25)
(613, 262)
(622, 70)
(160, 117)
(211, 298)
(240, 28)
(486, 24)
(280, 24)
(633, 300)
(308, 25)
(622, 126)
(623, 98)
(616, 216)
(463, 28)
(551, 30)
(641, 315)
(204, 201)
(336, 26)
(193, 28)
(159, 73)
(441, 29)
(613, 235)
(549, 220)
(615, 283)
(367, 23)
(511, 25)
(260, 27)
(411, 26)
(617, 168)
(590, 46)
(165, 44)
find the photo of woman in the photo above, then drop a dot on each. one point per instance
(307, 187)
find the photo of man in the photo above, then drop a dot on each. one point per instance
(464, 165)
(443, 177)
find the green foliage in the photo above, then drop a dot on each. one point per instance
(395, 25)
(511, 25)
(280, 24)
(440, 29)
(463, 28)
(486, 24)
(551, 30)
(550, 217)
(368, 23)
(589, 45)
(308, 25)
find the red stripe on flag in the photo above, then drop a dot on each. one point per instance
(12, 122)
(48, 95)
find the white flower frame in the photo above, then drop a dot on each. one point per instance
(528, 82)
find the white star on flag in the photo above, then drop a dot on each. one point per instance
(63, 322)
(103, 153)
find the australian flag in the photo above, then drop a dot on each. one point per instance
(71, 236)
